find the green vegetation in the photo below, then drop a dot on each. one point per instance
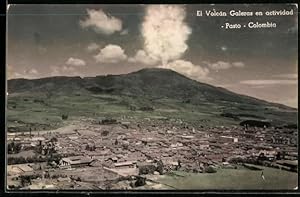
(34, 159)
(47, 103)
(90, 148)
(210, 169)
(13, 148)
(20, 160)
(26, 179)
(64, 117)
(234, 179)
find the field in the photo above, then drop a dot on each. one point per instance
(161, 93)
(155, 116)
(43, 113)
(47, 114)
(234, 179)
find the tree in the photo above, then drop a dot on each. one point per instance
(210, 169)
(10, 147)
(261, 157)
(64, 116)
(140, 181)
(125, 146)
(278, 156)
(90, 148)
(25, 180)
(104, 133)
(39, 148)
(14, 148)
(54, 139)
(47, 175)
(179, 163)
(160, 167)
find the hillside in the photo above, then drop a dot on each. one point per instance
(170, 94)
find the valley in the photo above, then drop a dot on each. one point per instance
(134, 131)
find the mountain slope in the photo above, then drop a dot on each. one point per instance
(163, 89)
(152, 82)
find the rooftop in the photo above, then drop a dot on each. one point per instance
(77, 160)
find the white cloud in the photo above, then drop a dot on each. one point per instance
(142, 57)
(238, 64)
(269, 82)
(27, 74)
(92, 47)
(32, 71)
(18, 75)
(101, 22)
(288, 76)
(165, 32)
(188, 69)
(111, 54)
(55, 71)
(68, 68)
(63, 71)
(221, 65)
(75, 62)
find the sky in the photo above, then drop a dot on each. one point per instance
(90, 40)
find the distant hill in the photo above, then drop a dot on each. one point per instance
(157, 87)
(150, 82)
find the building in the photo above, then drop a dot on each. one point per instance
(125, 164)
(228, 139)
(36, 139)
(73, 137)
(19, 169)
(204, 146)
(146, 168)
(169, 162)
(187, 136)
(267, 154)
(176, 145)
(11, 134)
(76, 161)
(113, 159)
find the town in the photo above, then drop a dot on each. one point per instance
(106, 153)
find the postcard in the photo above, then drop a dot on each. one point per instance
(152, 97)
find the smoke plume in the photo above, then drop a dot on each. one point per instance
(165, 32)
